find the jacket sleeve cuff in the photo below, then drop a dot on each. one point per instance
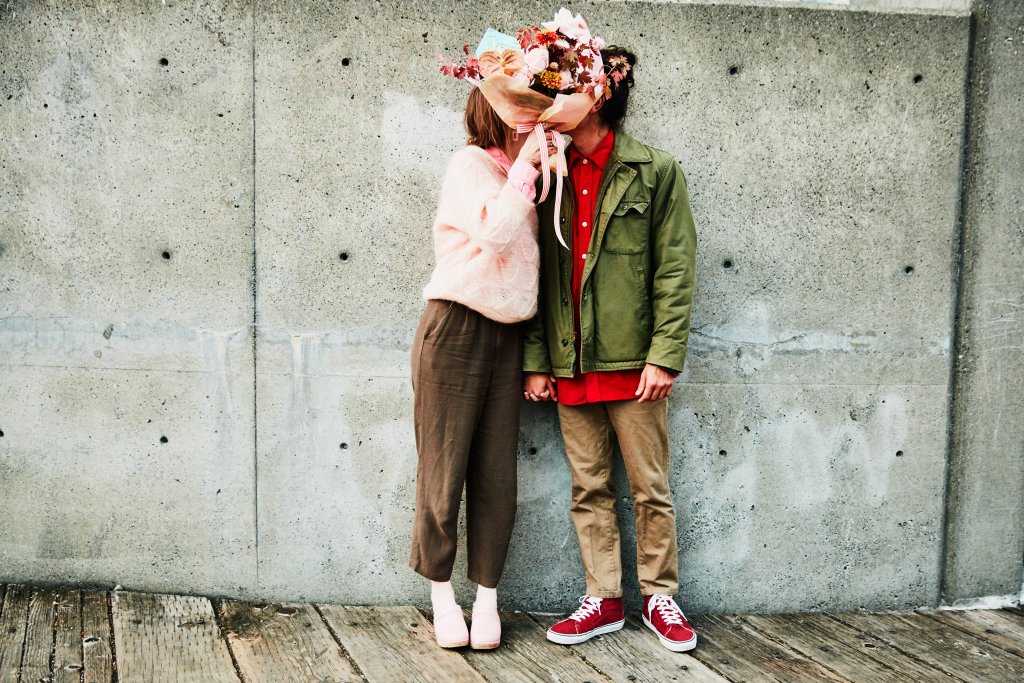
(669, 360)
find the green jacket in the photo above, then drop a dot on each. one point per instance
(639, 275)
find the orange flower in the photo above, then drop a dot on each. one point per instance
(507, 62)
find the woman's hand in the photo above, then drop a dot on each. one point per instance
(539, 386)
(530, 151)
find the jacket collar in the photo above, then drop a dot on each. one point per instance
(629, 149)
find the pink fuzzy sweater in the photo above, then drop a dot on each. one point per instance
(485, 236)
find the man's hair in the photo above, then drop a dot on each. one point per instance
(614, 108)
(483, 125)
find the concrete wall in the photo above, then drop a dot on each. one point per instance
(286, 157)
(986, 483)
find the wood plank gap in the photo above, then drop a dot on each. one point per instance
(893, 645)
(81, 634)
(113, 645)
(24, 637)
(218, 610)
(344, 650)
(53, 636)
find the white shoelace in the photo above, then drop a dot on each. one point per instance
(668, 610)
(588, 606)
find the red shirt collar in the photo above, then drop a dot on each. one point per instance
(599, 157)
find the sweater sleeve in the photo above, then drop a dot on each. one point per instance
(482, 203)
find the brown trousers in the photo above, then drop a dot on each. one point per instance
(467, 384)
(589, 432)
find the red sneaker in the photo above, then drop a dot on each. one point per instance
(663, 616)
(594, 617)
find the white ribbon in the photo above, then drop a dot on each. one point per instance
(560, 166)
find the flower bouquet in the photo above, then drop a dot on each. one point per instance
(546, 78)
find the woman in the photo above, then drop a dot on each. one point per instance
(467, 370)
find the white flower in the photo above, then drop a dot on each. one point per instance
(574, 27)
(537, 59)
(567, 81)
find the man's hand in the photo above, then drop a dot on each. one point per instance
(539, 386)
(655, 384)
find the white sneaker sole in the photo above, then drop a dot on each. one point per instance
(675, 646)
(563, 639)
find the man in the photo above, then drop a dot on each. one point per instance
(608, 339)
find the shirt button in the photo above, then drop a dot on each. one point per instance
(586, 161)
(583, 256)
(584, 224)
(584, 192)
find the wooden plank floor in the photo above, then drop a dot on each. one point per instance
(69, 635)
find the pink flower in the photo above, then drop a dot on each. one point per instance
(537, 59)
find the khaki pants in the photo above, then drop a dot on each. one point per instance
(467, 388)
(589, 431)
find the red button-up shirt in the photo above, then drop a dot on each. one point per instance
(585, 174)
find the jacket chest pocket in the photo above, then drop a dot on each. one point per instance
(628, 228)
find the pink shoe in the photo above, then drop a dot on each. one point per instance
(450, 628)
(485, 633)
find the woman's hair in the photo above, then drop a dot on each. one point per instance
(483, 125)
(614, 108)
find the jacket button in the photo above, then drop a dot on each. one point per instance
(565, 302)
(565, 342)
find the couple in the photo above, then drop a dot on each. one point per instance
(601, 328)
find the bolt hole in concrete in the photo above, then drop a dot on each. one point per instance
(722, 453)
(166, 255)
(733, 70)
(727, 263)
(346, 61)
(918, 78)
(1, 432)
(899, 454)
(344, 446)
(531, 450)
(163, 439)
(343, 256)
(163, 61)
(909, 270)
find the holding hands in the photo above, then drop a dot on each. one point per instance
(539, 386)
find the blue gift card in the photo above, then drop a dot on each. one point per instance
(498, 41)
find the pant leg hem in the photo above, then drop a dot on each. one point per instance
(427, 573)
